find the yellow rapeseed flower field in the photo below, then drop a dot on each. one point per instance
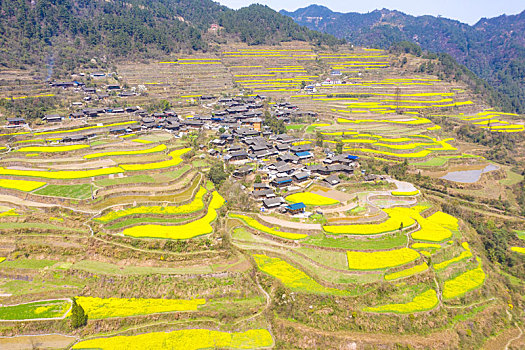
(398, 218)
(52, 149)
(62, 174)
(463, 283)
(185, 339)
(425, 245)
(21, 185)
(407, 193)
(422, 302)
(309, 198)
(445, 220)
(195, 205)
(518, 250)
(123, 307)
(464, 255)
(176, 160)
(407, 272)
(157, 148)
(379, 260)
(193, 229)
(251, 222)
(291, 277)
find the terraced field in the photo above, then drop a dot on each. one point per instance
(132, 228)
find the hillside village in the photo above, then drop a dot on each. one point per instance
(260, 197)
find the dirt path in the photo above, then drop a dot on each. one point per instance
(290, 224)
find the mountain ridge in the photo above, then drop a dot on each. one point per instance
(493, 48)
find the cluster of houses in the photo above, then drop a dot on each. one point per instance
(90, 92)
(91, 113)
(283, 162)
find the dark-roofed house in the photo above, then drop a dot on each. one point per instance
(148, 122)
(260, 186)
(282, 147)
(288, 158)
(263, 193)
(117, 131)
(301, 148)
(296, 208)
(285, 138)
(281, 181)
(271, 203)
(15, 121)
(332, 180)
(240, 155)
(76, 115)
(300, 177)
(74, 138)
(241, 172)
(52, 118)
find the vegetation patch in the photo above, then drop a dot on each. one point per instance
(21, 185)
(291, 277)
(52, 149)
(380, 259)
(407, 272)
(422, 302)
(186, 339)
(251, 222)
(122, 307)
(196, 205)
(397, 220)
(463, 283)
(174, 161)
(158, 148)
(35, 310)
(193, 229)
(82, 191)
(464, 255)
(407, 193)
(312, 199)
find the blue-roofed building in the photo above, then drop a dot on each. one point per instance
(351, 157)
(282, 181)
(304, 155)
(296, 208)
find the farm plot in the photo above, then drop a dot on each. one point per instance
(186, 339)
(35, 310)
(51, 149)
(21, 185)
(464, 255)
(422, 302)
(312, 199)
(251, 222)
(407, 272)
(380, 260)
(158, 148)
(122, 307)
(195, 228)
(292, 277)
(195, 205)
(463, 283)
(396, 221)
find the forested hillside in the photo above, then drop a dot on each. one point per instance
(70, 30)
(494, 49)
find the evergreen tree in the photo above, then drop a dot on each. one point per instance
(78, 315)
